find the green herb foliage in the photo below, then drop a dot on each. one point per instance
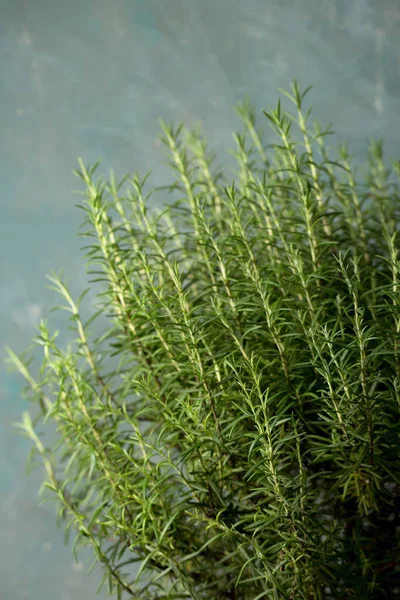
(234, 432)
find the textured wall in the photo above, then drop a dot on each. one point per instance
(91, 78)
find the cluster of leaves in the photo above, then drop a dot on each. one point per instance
(235, 431)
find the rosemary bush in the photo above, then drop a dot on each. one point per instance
(234, 432)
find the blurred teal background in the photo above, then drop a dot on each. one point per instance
(91, 78)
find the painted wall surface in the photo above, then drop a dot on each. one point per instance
(91, 78)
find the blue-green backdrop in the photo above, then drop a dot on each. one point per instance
(91, 78)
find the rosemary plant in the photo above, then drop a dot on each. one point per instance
(234, 431)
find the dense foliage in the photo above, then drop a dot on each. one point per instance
(234, 433)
